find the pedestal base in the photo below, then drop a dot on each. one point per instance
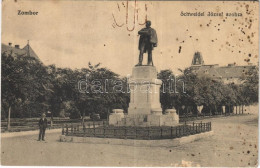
(116, 116)
(143, 120)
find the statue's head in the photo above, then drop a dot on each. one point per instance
(148, 23)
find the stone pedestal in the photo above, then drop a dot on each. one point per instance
(116, 117)
(144, 107)
(170, 118)
(145, 91)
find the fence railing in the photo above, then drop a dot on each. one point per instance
(190, 117)
(135, 132)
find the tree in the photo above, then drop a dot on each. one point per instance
(250, 84)
(23, 80)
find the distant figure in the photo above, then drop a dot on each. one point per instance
(42, 126)
(148, 40)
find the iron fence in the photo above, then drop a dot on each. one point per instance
(164, 132)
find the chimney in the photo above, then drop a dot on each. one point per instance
(10, 44)
(17, 46)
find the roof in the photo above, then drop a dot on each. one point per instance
(30, 51)
(223, 71)
(234, 71)
(25, 51)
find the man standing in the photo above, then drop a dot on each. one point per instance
(42, 126)
(148, 40)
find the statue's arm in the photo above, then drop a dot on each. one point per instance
(144, 32)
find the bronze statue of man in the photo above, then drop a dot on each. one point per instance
(148, 40)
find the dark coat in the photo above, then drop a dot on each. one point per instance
(147, 36)
(43, 123)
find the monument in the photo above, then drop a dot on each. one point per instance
(145, 107)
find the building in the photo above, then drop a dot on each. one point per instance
(228, 74)
(17, 51)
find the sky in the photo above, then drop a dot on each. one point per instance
(72, 33)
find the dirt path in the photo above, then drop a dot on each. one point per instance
(234, 143)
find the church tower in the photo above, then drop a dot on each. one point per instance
(197, 59)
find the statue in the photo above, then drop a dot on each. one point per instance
(148, 40)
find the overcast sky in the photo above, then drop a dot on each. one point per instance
(73, 33)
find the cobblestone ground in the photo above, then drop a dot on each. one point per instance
(234, 143)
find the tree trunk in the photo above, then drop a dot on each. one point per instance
(216, 110)
(51, 119)
(8, 120)
(107, 114)
(197, 114)
(242, 109)
(83, 118)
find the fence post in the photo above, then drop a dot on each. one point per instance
(193, 127)
(135, 133)
(171, 131)
(104, 132)
(161, 132)
(71, 128)
(84, 128)
(94, 131)
(176, 129)
(149, 133)
(125, 133)
(78, 128)
(67, 129)
(201, 127)
(114, 132)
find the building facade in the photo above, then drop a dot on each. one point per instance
(228, 74)
(15, 50)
